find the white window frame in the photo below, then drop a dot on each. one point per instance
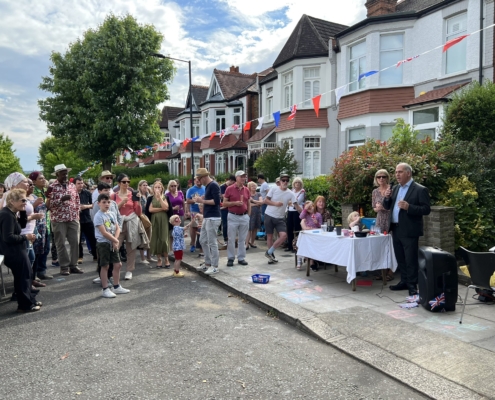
(288, 89)
(216, 88)
(311, 81)
(312, 149)
(430, 125)
(269, 103)
(237, 116)
(220, 163)
(182, 133)
(167, 138)
(206, 116)
(197, 161)
(358, 85)
(395, 70)
(195, 127)
(455, 51)
(207, 161)
(220, 120)
(356, 143)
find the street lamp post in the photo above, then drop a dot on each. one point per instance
(190, 107)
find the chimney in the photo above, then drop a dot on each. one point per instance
(380, 7)
(234, 69)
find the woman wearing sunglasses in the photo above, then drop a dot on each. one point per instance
(13, 247)
(382, 180)
(132, 229)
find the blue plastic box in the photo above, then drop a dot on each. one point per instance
(368, 222)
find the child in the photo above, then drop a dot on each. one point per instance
(105, 188)
(310, 219)
(178, 244)
(354, 219)
(107, 231)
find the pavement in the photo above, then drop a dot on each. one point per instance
(169, 339)
(430, 352)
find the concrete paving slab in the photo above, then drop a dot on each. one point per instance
(484, 311)
(488, 344)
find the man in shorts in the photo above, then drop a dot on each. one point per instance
(277, 200)
(197, 190)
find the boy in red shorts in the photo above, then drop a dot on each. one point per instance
(178, 243)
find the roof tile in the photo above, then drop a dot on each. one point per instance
(231, 83)
(304, 119)
(261, 134)
(435, 95)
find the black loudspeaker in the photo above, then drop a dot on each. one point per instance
(437, 275)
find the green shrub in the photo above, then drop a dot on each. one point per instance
(474, 227)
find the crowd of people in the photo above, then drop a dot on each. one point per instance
(37, 216)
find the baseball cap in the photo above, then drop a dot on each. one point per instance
(239, 173)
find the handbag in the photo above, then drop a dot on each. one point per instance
(145, 221)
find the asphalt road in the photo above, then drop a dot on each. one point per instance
(169, 339)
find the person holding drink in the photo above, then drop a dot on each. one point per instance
(196, 190)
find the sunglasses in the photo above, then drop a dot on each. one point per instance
(381, 177)
(24, 200)
(173, 185)
(31, 184)
(108, 177)
(284, 180)
(126, 182)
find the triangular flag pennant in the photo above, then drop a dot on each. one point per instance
(260, 123)
(293, 111)
(339, 92)
(316, 104)
(235, 127)
(212, 135)
(276, 117)
(222, 134)
(406, 60)
(366, 74)
(247, 126)
(195, 138)
(453, 42)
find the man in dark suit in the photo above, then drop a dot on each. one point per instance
(409, 201)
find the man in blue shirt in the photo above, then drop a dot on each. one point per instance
(197, 189)
(409, 201)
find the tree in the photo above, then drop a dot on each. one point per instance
(470, 114)
(8, 161)
(272, 162)
(106, 89)
(52, 152)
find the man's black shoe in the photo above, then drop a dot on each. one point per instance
(242, 262)
(230, 263)
(412, 290)
(400, 286)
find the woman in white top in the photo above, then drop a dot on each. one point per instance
(293, 220)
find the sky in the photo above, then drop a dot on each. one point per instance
(210, 33)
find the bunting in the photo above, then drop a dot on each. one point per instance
(406, 60)
(276, 117)
(260, 123)
(316, 104)
(367, 74)
(212, 135)
(222, 134)
(453, 42)
(339, 92)
(247, 126)
(293, 111)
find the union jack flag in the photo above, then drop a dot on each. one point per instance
(406, 60)
(222, 134)
(437, 301)
(293, 111)
(235, 127)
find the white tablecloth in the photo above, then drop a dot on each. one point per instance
(356, 254)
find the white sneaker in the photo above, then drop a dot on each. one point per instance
(211, 271)
(202, 267)
(128, 276)
(120, 290)
(154, 259)
(145, 262)
(97, 280)
(108, 293)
